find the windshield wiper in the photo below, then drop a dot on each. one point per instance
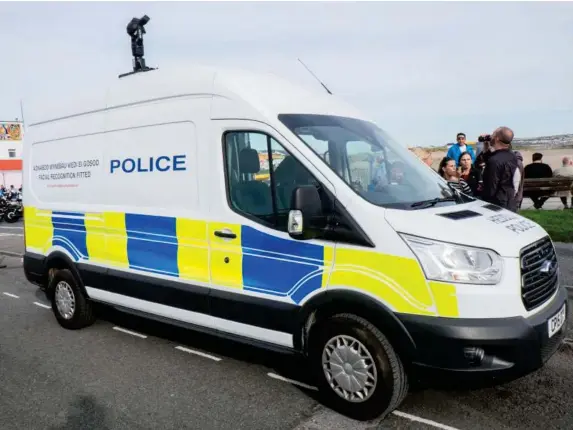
(433, 202)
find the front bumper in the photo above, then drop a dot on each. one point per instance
(512, 347)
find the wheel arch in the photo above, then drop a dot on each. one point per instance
(60, 261)
(332, 302)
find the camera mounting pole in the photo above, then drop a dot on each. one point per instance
(136, 30)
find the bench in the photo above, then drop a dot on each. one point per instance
(546, 187)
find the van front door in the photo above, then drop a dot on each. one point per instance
(259, 274)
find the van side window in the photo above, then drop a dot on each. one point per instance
(261, 176)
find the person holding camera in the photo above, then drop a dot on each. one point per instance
(501, 173)
(487, 150)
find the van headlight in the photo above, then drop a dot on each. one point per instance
(442, 261)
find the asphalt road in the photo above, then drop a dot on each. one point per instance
(165, 378)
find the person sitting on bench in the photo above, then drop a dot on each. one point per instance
(565, 171)
(537, 170)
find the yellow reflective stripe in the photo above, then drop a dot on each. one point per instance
(95, 237)
(397, 281)
(106, 238)
(226, 273)
(38, 228)
(116, 239)
(445, 298)
(328, 261)
(193, 250)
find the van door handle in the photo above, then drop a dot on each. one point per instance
(228, 234)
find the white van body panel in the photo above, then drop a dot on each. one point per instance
(90, 100)
(503, 231)
(271, 95)
(148, 192)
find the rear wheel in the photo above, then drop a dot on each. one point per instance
(70, 305)
(356, 369)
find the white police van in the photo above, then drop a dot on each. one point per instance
(142, 195)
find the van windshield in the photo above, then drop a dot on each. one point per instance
(379, 169)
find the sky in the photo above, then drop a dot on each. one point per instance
(422, 71)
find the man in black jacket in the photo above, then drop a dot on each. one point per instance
(500, 171)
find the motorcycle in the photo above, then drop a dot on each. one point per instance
(10, 211)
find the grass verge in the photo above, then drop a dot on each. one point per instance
(558, 223)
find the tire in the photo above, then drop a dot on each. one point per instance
(11, 216)
(391, 386)
(64, 285)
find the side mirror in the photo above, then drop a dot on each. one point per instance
(305, 216)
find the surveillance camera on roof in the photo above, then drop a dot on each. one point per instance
(137, 23)
(136, 29)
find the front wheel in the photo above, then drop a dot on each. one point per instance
(356, 369)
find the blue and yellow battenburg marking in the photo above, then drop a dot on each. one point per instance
(254, 261)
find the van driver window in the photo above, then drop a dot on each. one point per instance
(261, 176)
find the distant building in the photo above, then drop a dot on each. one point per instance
(11, 153)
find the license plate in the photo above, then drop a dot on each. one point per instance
(556, 321)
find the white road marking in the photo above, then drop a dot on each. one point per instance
(292, 381)
(11, 234)
(42, 305)
(397, 413)
(11, 254)
(12, 295)
(202, 354)
(11, 228)
(130, 332)
(423, 421)
(324, 418)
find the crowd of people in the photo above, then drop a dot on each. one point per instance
(496, 173)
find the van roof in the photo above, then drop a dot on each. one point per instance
(264, 93)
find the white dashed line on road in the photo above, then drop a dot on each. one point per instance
(130, 332)
(42, 305)
(292, 381)
(397, 413)
(11, 228)
(14, 296)
(423, 420)
(199, 353)
(11, 254)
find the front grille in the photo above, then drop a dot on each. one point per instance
(539, 273)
